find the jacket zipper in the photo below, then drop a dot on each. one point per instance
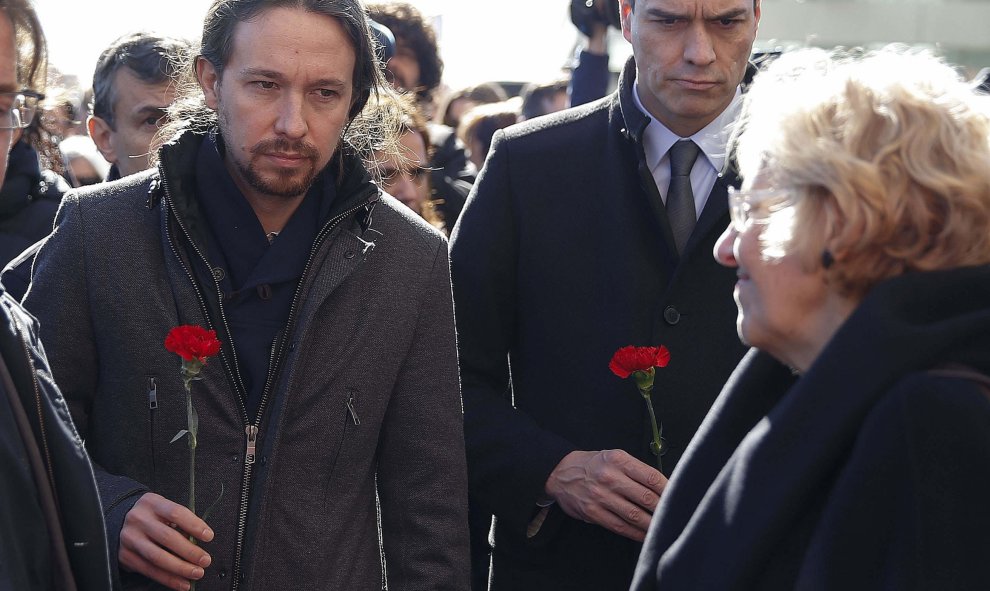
(152, 411)
(350, 409)
(250, 430)
(37, 405)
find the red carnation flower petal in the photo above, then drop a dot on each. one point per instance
(629, 359)
(192, 342)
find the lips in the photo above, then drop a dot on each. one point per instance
(287, 159)
(696, 84)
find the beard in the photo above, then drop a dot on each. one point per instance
(283, 183)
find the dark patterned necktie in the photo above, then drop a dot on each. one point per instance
(680, 197)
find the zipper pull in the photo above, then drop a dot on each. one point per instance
(252, 439)
(350, 408)
(152, 393)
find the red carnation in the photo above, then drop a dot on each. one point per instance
(192, 342)
(631, 359)
(640, 363)
(195, 345)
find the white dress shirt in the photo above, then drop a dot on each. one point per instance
(712, 139)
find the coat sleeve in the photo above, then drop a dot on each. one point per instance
(59, 297)
(422, 479)
(510, 456)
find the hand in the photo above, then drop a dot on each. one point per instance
(597, 41)
(154, 541)
(609, 488)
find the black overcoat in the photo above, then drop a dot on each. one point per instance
(562, 255)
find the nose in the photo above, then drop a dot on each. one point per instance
(699, 49)
(291, 119)
(724, 251)
(405, 190)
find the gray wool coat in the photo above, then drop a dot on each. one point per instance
(359, 457)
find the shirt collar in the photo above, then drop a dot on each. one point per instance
(712, 138)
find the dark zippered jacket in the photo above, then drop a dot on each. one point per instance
(51, 529)
(360, 429)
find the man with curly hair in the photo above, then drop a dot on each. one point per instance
(416, 65)
(417, 68)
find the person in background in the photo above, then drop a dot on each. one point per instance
(51, 523)
(589, 230)
(543, 99)
(982, 80)
(83, 163)
(417, 68)
(479, 125)
(62, 112)
(590, 74)
(862, 254)
(459, 102)
(329, 423)
(135, 81)
(31, 191)
(403, 174)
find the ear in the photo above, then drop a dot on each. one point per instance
(625, 17)
(209, 81)
(101, 133)
(757, 6)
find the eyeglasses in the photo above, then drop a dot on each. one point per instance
(391, 176)
(17, 109)
(756, 204)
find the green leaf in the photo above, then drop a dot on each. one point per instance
(179, 435)
(215, 503)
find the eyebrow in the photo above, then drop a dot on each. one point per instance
(666, 14)
(278, 77)
(150, 109)
(728, 14)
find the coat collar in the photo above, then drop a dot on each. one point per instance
(177, 169)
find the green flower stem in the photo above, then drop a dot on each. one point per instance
(653, 423)
(191, 426)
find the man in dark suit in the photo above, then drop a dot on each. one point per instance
(580, 238)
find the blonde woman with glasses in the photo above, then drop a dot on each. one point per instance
(850, 449)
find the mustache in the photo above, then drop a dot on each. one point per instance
(282, 145)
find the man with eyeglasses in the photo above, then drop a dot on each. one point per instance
(51, 525)
(31, 190)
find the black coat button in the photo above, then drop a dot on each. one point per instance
(671, 315)
(265, 291)
(349, 254)
(218, 273)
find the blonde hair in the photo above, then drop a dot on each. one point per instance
(888, 154)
